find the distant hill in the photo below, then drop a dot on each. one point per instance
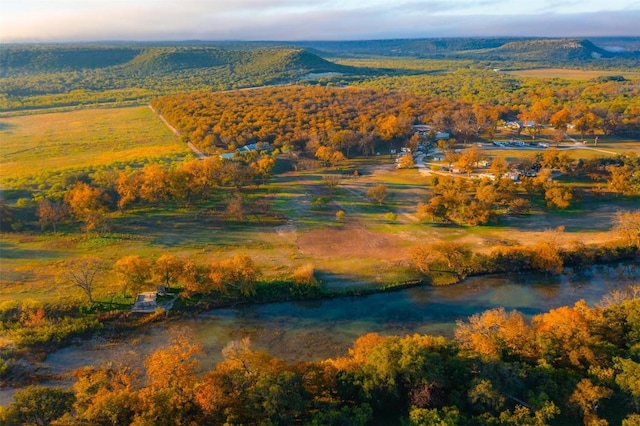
(432, 47)
(514, 49)
(37, 59)
(19, 60)
(554, 50)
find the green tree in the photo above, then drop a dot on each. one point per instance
(38, 405)
(628, 378)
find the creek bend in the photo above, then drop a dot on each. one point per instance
(319, 329)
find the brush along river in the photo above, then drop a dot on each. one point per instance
(315, 330)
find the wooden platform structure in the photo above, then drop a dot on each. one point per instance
(146, 302)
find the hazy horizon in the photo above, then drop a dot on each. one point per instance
(309, 20)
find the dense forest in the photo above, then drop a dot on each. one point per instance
(231, 120)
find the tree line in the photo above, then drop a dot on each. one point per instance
(571, 364)
(90, 198)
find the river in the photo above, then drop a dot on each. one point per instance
(315, 330)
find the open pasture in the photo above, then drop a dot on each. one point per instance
(571, 74)
(32, 144)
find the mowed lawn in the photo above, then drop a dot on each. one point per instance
(32, 144)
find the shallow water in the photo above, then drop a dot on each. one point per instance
(315, 330)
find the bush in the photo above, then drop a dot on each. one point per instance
(304, 274)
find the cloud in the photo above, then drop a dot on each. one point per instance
(68, 20)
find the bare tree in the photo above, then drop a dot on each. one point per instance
(626, 224)
(331, 181)
(82, 273)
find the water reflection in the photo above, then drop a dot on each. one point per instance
(314, 330)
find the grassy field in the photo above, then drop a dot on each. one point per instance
(571, 74)
(32, 144)
(370, 244)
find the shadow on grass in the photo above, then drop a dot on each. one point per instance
(12, 251)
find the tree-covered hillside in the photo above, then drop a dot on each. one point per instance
(552, 51)
(50, 76)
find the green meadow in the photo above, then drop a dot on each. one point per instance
(85, 138)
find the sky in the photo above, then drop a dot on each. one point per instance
(297, 20)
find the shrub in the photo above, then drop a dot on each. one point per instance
(304, 274)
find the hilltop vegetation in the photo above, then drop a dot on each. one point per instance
(36, 77)
(45, 76)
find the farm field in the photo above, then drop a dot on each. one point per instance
(86, 138)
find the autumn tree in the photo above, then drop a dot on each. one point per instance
(153, 183)
(235, 208)
(586, 123)
(378, 193)
(495, 333)
(262, 168)
(406, 162)
(134, 272)
(546, 255)
(88, 204)
(626, 224)
(469, 159)
(563, 336)
(393, 127)
(620, 180)
(106, 395)
(560, 120)
(169, 396)
(251, 387)
(194, 278)
(238, 274)
(329, 156)
(127, 185)
(423, 258)
(455, 255)
(168, 269)
(499, 167)
(443, 254)
(51, 211)
(586, 396)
